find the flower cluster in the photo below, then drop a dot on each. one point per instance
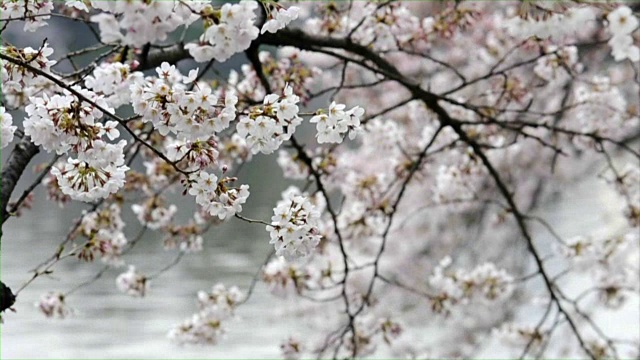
(170, 107)
(228, 31)
(96, 174)
(158, 173)
(132, 283)
(358, 222)
(389, 27)
(292, 166)
(458, 182)
(52, 304)
(103, 231)
(288, 68)
(113, 82)
(485, 282)
(519, 335)
(233, 150)
(153, 214)
(609, 261)
(278, 17)
(18, 83)
(382, 28)
(269, 125)
(78, 5)
(6, 123)
(284, 278)
(35, 12)
(333, 126)
(292, 349)
(363, 216)
(627, 186)
(294, 226)
(62, 122)
(206, 326)
(367, 333)
(555, 25)
(559, 60)
(187, 238)
(144, 21)
(621, 23)
(216, 197)
(601, 108)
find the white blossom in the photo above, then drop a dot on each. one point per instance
(283, 278)
(113, 81)
(52, 304)
(208, 325)
(280, 19)
(216, 197)
(233, 33)
(96, 173)
(36, 11)
(294, 226)
(621, 23)
(485, 281)
(153, 215)
(333, 126)
(6, 123)
(77, 4)
(191, 115)
(292, 349)
(132, 283)
(269, 125)
(144, 22)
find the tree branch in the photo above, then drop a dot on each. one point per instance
(20, 157)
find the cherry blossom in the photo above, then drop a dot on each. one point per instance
(216, 197)
(208, 325)
(337, 122)
(269, 125)
(53, 304)
(6, 122)
(102, 234)
(113, 81)
(284, 278)
(132, 283)
(153, 215)
(279, 18)
(35, 12)
(292, 349)
(78, 4)
(170, 107)
(621, 23)
(228, 31)
(143, 21)
(293, 228)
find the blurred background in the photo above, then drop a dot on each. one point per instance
(109, 324)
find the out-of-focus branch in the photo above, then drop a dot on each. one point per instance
(6, 297)
(21, 155)
(171, 54)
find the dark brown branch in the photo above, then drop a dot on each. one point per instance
(171, 54)
(20, 157)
